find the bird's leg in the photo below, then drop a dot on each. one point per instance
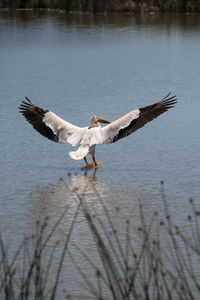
(95, 163)
(85, 159)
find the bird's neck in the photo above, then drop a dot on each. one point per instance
(96, 125)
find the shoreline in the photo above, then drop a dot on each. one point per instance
(128, 7)
(78, 12)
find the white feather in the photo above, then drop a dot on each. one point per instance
(82, 151)
(98, 135)
(63, 129)
(108, 132)
(77, 136)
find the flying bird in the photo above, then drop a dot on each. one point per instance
(56, 129)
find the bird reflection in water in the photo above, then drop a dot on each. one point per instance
(86, 170)
(52, 198)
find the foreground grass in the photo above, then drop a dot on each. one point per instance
(155, 260)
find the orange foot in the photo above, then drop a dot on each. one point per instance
(96, 164)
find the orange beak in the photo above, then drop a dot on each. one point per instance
(102, 120)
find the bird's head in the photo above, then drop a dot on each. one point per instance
(95, 121)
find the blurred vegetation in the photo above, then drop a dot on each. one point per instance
(153, 260)
(106, 5)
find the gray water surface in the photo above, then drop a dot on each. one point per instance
(81, 65)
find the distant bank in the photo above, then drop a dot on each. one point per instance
(112, 6)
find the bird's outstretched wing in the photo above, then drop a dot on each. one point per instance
(50, 125)
(128, 123)
(136, 119)
(122, 127)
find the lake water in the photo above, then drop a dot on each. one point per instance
(79, 65)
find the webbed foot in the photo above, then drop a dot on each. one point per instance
(96, 164)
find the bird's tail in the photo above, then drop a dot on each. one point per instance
(80, 153)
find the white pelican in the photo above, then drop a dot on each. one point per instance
(56, 129)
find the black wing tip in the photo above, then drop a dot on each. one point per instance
(25, 105)
(169, 101)
(166, 96)
(28, 100)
